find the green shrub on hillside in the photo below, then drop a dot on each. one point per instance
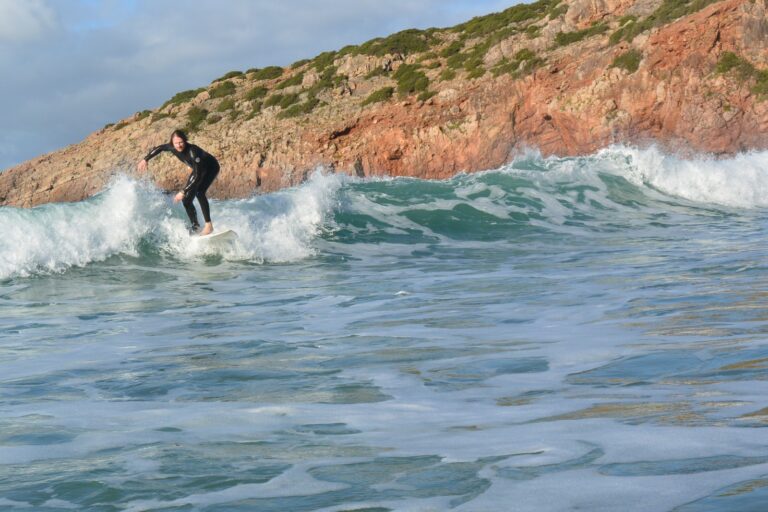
(183, 97)
(405, 42)
(255, 110)
(524, 62)
(377, 71)
(227, 104)
(453, 48)
(426, 95)
(383, 94)
(256, 93)
(299, 109)
(558, 11)
(350, 49)
(300, 63)
(224, 89)
(629, 61)
(668, 11)
(268, 73)
(281, 100)
(323, 60)
(456, 61)
(231, 74)
(628, 31)
(730, 63)
(504, 33)
(328, 80)
(195, 118)
(566, 38)
(427, 56)
(525, 54)
(410, 79)
(761, 84)
(273, 100)
(532, 31)
(143, 115)
(213, 119)
(296, 79)
(448, 74)
(629, 18)
(474, 67)
(484, 25)
(158, 116)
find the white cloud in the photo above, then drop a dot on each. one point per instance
(25, 20)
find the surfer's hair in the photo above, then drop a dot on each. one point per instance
(180, 134)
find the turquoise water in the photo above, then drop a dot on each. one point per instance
(558, 334)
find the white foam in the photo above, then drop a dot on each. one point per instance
(279, 227)
(737, 181)
(55, 237)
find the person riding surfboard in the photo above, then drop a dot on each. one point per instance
(204, 168)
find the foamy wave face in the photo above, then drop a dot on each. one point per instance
(54, 237)
(282, 227)
(740, 181)
(278, 227)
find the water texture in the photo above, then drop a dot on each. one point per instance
(558, 334)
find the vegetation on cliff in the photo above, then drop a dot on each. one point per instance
(412, 62)
(629, 61)
(745, 71)
(668, 11)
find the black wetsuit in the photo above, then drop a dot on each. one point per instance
(205, 168)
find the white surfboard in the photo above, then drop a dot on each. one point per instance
(218, 237)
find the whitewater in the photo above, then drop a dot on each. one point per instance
(558, 334)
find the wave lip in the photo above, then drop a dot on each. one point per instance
(739, 181)
(54, 237)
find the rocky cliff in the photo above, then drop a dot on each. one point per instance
(565, 77)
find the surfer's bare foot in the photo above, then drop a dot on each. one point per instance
(208, 229)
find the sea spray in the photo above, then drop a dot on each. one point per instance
(54, 237)
(736, 181)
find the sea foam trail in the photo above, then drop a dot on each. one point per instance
(131, 216)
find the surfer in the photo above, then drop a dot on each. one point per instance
(204, 167)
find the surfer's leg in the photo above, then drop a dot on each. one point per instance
(191, 212)
(204, 207)
(203, 199)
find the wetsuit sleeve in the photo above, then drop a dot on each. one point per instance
(194, 161)
(157, 150)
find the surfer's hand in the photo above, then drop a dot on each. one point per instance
(178, 197)
(142, 166)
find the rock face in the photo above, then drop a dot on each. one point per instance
(573, 101)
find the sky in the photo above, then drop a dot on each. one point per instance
(69, 67)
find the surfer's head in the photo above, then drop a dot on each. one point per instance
(179, 140)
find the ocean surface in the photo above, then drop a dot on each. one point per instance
(558, 334)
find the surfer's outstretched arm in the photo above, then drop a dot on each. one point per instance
(157, 150)
(142, 166)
